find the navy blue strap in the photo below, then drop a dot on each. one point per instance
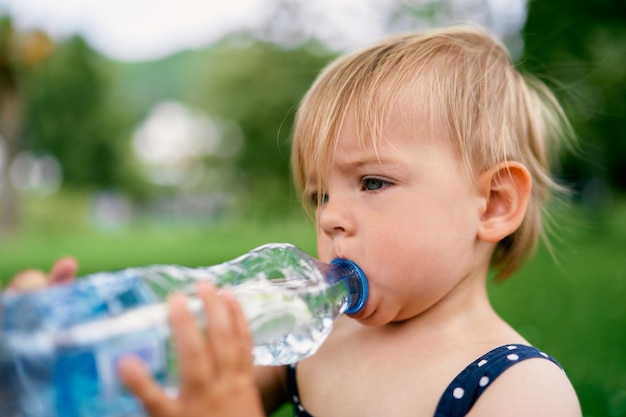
(466, 388)
(292, 386)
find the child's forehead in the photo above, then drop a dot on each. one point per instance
(375, 131)
(403, 136)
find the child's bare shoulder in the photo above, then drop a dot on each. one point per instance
(534, 387)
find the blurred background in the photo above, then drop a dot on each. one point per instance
(157, 131)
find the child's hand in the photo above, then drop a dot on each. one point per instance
(63, 270)
(216, 368)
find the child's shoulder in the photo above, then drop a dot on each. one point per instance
(535, 386)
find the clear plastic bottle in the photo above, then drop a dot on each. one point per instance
(59, 346)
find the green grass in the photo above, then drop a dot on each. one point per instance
(144, 245)
(575, 310)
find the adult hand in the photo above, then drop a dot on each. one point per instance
(215, 365)
(63, 270)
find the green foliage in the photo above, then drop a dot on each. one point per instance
(170, 78)
(259, 85)
(253, 84)
(582, 45)
(72, 115)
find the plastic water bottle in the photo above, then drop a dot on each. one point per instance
(59, 346)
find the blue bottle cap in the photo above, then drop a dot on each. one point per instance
(357, 284)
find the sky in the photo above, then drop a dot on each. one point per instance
(140, 30)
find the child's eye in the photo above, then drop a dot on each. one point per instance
(373, 184)
(315, 199)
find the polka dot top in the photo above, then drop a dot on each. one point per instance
(465, 389)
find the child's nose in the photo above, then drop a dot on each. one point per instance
(335, 217)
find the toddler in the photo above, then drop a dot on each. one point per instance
(425, 160)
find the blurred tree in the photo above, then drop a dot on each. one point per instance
(582, 44)
(10, 114)
(19, 54)
(74, 115)
(259, 85)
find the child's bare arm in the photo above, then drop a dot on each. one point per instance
(272, 382)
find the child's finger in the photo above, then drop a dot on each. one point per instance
(30, 279)
(63, 270)
(139, 382)
(193, 364)
(218, 326)
(241, 331)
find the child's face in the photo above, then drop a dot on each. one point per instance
(406, 212)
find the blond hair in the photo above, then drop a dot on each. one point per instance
(468, 86)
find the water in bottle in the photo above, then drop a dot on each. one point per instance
(59, 346)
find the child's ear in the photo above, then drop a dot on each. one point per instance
(506, 189)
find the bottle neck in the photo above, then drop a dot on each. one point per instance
(353, 277)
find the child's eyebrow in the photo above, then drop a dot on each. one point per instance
(366, 162)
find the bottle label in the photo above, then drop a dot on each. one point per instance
(150, 346)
